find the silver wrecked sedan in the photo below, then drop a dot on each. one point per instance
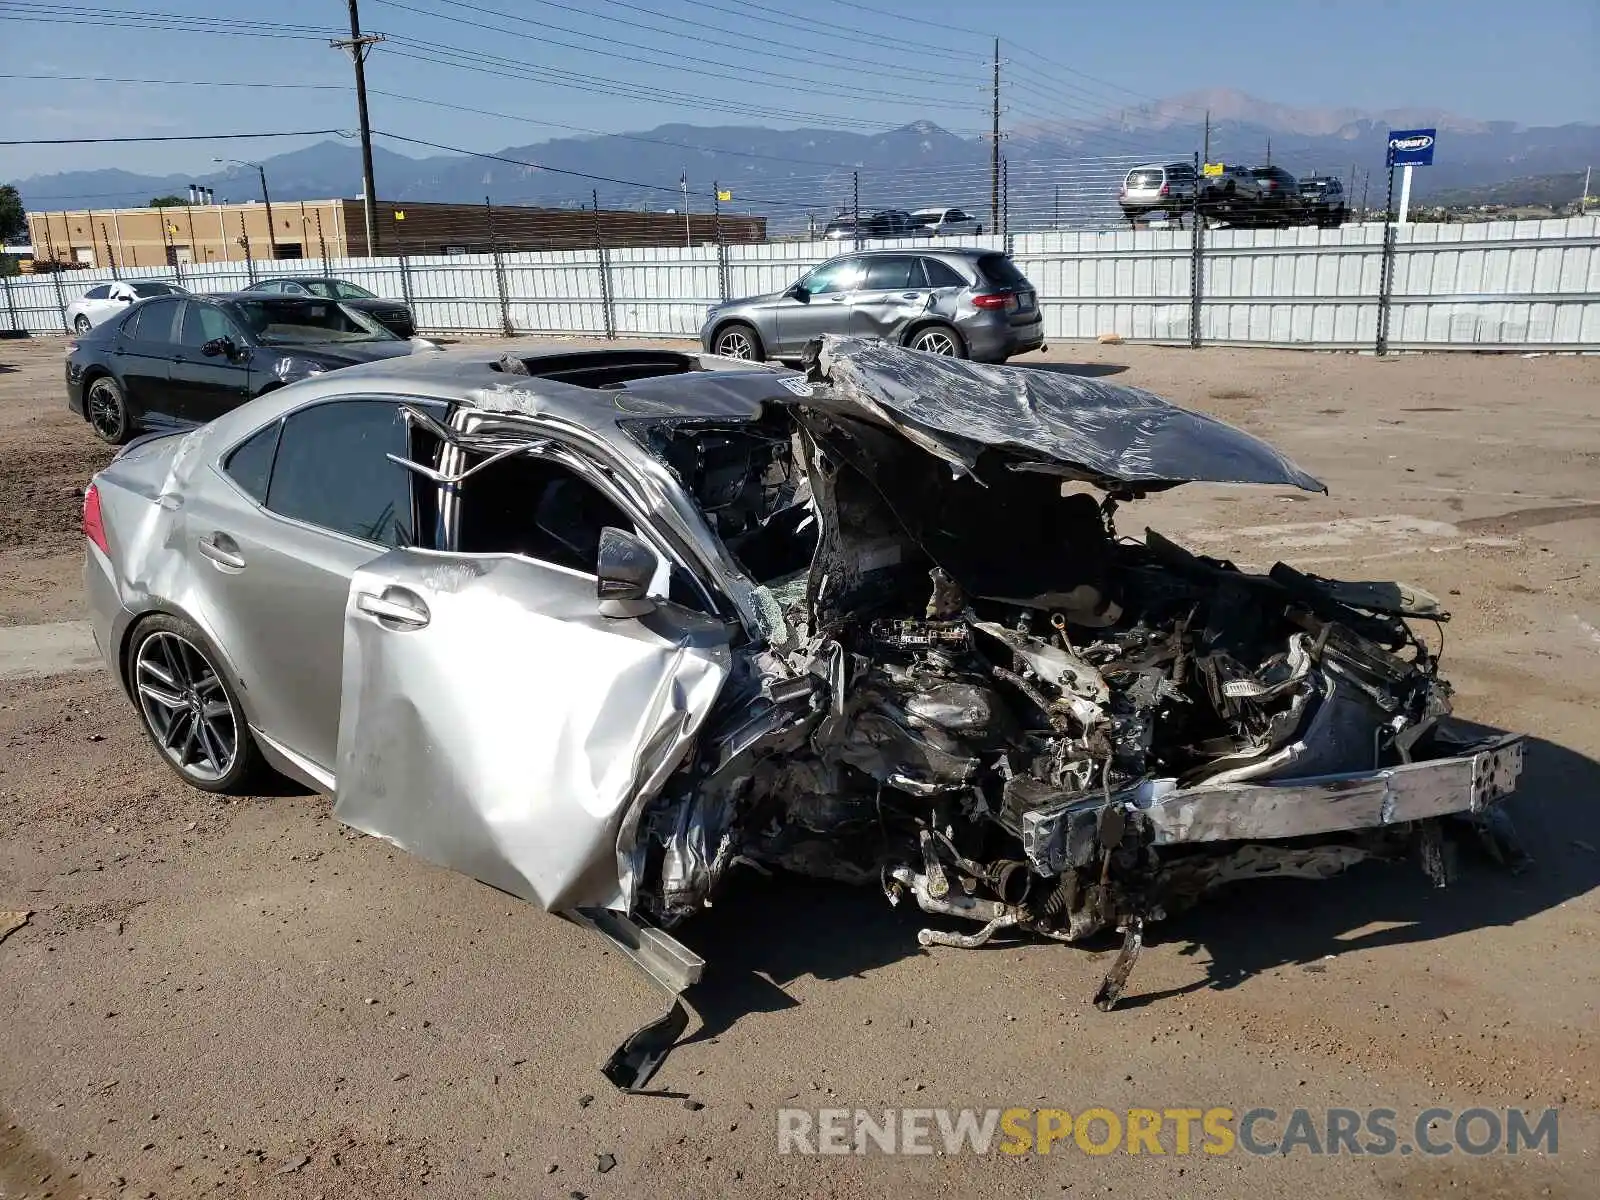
(597, 627)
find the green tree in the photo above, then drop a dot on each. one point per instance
(13, 221)
(167, 202)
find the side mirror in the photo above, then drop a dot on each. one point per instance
(626, 567)
(797, 291)
(216, 346)
(126, 299)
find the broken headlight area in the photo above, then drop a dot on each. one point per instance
(995, 707)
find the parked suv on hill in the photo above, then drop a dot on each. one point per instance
(1322, 200)
(1279, 202)
(886, 223)
(964, 303)
(1157, 187)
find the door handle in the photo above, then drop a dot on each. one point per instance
(911, 295)
(840, 298)
(222, 550)
(397, 608)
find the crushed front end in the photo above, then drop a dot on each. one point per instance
(980, 697)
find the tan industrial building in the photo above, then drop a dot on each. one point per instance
(202, 233)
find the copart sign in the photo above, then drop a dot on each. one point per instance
(1411, 146)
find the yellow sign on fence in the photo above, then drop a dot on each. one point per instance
(724, 197)
(1211, 169)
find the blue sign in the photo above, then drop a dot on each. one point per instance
(1413, 147)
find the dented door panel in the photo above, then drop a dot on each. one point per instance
(495, 723)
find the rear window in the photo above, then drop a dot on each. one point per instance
(1002, 272)
(1145, 179)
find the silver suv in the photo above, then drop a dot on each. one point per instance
(963, 303)
(1158, 187)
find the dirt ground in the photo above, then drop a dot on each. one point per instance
(240, 998)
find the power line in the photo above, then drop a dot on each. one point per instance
(484, 63)
(701, 37)
(171, 137)
(222, 83)
(783, 82)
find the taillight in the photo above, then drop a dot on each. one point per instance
(1165, 190)
(991, 300)
(93, 527)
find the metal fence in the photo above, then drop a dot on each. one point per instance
(1493, 286)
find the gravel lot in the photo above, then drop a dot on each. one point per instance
(230, 998)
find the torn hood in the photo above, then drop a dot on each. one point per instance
(1119, 438)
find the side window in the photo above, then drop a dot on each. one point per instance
(331, 471)
(293, 289)
(545, 511)
(103, 292)
(203, 322)
(270, 286)
(890, 272)
(841, 275)
(941, 274)
(955, 214)
(250, 464)
(152, 322)
(537, 508)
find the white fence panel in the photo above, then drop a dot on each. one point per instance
(662, 291)
(1500, 285)
(554, 291)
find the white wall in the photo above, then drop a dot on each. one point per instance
(1486, 286)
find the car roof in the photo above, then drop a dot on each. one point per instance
(922, 251)
(538, 381)
(299, 279)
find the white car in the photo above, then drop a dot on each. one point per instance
(946, 222)
(106, 300)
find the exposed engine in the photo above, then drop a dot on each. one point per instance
(982, 698)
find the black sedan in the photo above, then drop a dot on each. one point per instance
(394, 315)
(183, 360)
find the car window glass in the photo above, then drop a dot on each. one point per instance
(250, 464)
(154, 322)
(537, 508)
(331, 471)
(942, 274)
(293, 289)
(889, 272)
(841, 275)
(955, 214)
(102, 292)
(350, 291)
(204, 322)
(544, 510)
(1001, 271)
(151, 289)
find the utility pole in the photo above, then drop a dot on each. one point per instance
(1207, 157)
(1269, 152)
(683, 183)
(358, 44)
(994, 145)
(1583, 202)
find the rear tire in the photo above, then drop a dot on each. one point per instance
(739, 340)
(188, 706)
(106, 410)
(937, 339)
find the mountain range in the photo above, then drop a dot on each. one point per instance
(790, 173)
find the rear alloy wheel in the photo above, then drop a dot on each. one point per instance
(936, 339)
(738, 341)
(190, 713)
(81, 325)
(107, 411)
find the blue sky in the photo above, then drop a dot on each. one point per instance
(754, 61)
